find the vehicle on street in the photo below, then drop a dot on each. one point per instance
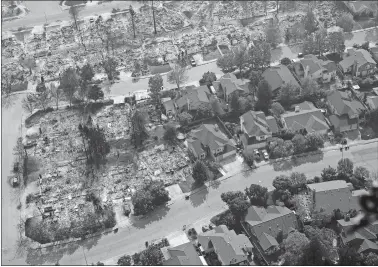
(16, 166)
(193, 62)
(300, 55)
(15, 181)
(256, 153)
(265, 154)
(205, 228)
(212, 226)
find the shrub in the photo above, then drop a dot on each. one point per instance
(30, 198)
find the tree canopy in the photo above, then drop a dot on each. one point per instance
(170, 134)
(139, 132)
(264, 96)
(208, 78)
(294, 246)
(155, 83)
(178, 75)
(257, 194)
(69, 82)
(329, 174)
(200, 172)
(346, 22)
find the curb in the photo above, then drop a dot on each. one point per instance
(362, 30)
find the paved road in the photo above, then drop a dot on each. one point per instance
(184, 212)
(126, 86)
(50, 11)
(10, 131)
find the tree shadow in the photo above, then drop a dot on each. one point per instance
(51, 254)
(90, 242)
(199, 197)
(154, 216)
(215, 184)
(287, 165)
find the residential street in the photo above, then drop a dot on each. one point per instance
(202, 205)
(126, 86)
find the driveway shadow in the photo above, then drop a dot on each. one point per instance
(156, 215)
(287, 165)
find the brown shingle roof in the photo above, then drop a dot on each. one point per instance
(311, 120)
(360, 55)
(255, 123)
(230, 247)
(278, 75)
(183, 255)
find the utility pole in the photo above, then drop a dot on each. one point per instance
(153, 14)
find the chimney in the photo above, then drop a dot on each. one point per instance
(216, 127)
(297, 109)
(306, 71)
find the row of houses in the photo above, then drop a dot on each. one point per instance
(263, 226)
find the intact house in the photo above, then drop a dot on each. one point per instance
(277, 76)
(374, 52)
(314, 68)
(256, 128)
(364, 239)
(266, 224)
(193, 99)
(209, 141)
(182, 255)
(228, 84)
(169, 106)
(358, 62)
(372, 102)
(305, 119)
(332, 195)
(345, 111)
(229, 247)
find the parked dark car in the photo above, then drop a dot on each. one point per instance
(16, 166)
(193, 62)
(300, 55)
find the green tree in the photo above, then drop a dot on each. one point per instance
(309, 22)
(200, 172)
(56, 93)
(298, 180)
(152, 256)
(345, 167)
(184, 118)
(95, 92)
(178, 75)
(254, 80)
(97, 145)
(362, 176)
(309, 86)
(299, 143)
(216, 106)
(238, 207)
(110, 66)
(87, 73)
(277, 109)
(248, 157)
(286, 61)
(69, 82)
(148, 197)
(226, 62)
(272, 34)
(336, 42)
(329, 174)
(29, 103)
(264, 95)
(257, 194)
(371, 259)
(235, 104)
(208, 78)
(170, 134)
(155, 83)
(282, 182)
(314, 141)
(294, 246)
(240, 57)
(349, 257)
(139, 132)
(321, 40)
(229, 196)
(346, 22)
(288, 94)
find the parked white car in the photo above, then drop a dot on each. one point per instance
(265, 154)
